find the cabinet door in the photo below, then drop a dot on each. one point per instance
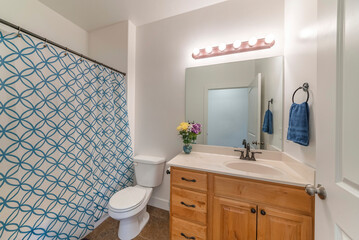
(276, 224)
(234, 220)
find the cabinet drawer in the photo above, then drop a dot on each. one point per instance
(189, 179)
(182, 230)
(289, 197)
(189, 205)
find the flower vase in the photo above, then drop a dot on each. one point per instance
(187, 148)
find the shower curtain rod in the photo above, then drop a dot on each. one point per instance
(55, 44)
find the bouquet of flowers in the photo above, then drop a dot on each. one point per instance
(189, 132)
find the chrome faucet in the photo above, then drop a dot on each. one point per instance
(247, 148)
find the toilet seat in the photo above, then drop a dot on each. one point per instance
(127, 199)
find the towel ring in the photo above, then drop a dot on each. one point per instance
(305, 88)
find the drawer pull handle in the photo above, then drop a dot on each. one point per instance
(188, 205)
(184, 235)
(263, 212)
(253, 210)
(188, 180)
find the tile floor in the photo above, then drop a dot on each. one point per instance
(157, 227)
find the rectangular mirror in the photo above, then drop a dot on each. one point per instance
(230, 100)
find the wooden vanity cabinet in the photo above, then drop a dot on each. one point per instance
(220, 207)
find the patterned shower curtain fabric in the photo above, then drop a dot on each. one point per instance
(64, 140)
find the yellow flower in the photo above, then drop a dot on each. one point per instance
(183, 126)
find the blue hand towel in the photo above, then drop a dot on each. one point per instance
(268, 122)
(298, 128)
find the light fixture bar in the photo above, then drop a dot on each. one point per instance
(230, 49)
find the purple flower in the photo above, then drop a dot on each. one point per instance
(196, 128)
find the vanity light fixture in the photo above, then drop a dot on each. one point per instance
(269, 39)
(252, 41)
(196, 51)
(209, 49)
(236, 47)
(237, 44)
(222, 47)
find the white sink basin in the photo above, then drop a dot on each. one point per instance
(254, 167)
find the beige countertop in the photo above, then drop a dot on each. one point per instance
(281, 168)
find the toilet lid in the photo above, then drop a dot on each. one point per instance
(127, 199)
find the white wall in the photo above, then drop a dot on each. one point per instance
(109, 45)
(34, 16)
(164, 52)
(300, 66)
(131, 78)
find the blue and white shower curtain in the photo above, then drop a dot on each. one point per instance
(64, 140)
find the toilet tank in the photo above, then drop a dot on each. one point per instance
(149, 170)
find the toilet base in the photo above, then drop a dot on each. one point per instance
(130, 227)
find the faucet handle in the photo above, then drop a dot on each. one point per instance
(238, 150)
(253, 157)
(241, 151)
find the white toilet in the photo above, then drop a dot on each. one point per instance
(129, 205)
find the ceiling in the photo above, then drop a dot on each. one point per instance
(92, 14)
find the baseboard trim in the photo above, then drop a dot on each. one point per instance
(159, 203)
(104, 217)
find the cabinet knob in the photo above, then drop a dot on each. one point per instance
(253, 210)
(184, 235)
(263, 212)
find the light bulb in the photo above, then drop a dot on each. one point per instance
(195, 51)
(252, 41)
(208, 49)
(237, 44)
(222, 47)
(269, 39)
